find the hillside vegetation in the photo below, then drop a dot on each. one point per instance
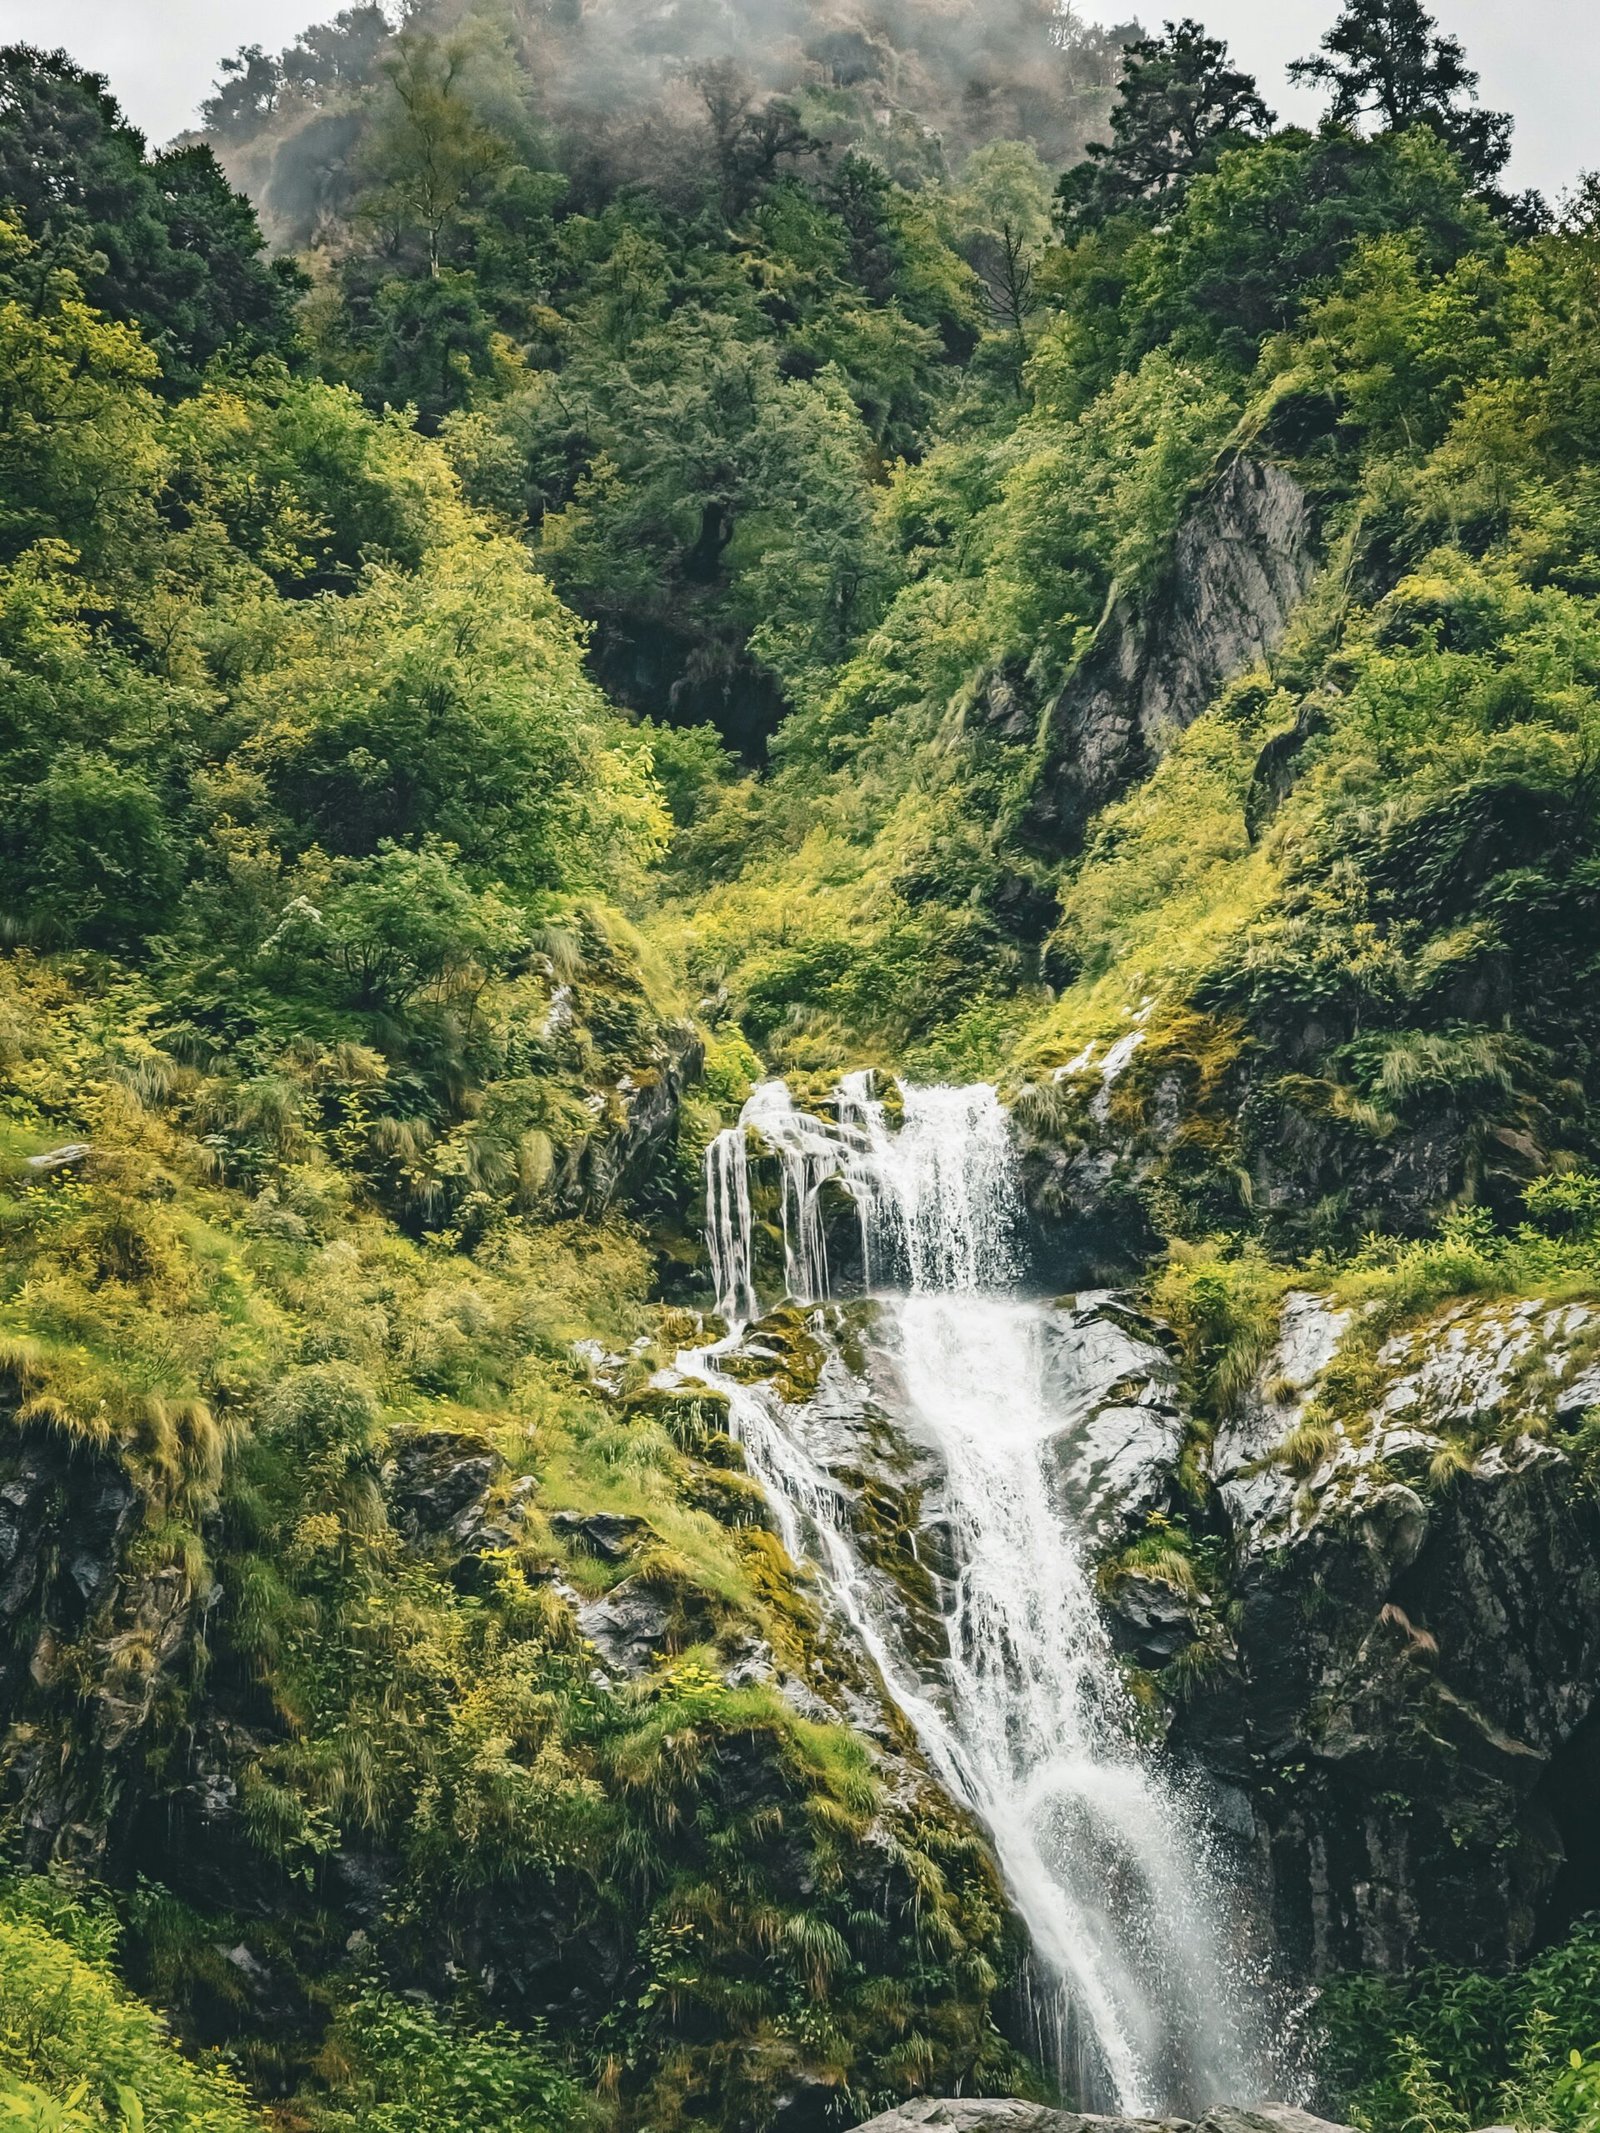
(595, 616)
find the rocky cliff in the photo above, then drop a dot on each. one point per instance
(1242, 562)
(1404, 1675)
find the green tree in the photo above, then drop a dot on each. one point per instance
(1002, 214)
(247, 94)
(751, 138)
(702, 460)
(166, 245)
(81, 451)
(430, 153)
(451, 705)
(428, 345)
(1180, 104)
(1273, 225)
(1386, 59)
(397, 926)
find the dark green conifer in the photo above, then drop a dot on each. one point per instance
(1385, 60)
(1180, 103)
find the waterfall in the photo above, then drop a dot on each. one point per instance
(1137, 2000)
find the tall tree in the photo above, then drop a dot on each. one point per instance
(1180, 103)
(431, 153)
(1385, 59)
(750, 138)
(1002, 211)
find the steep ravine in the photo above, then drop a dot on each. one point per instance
(1239, 1707)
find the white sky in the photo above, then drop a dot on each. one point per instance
(1538, 58)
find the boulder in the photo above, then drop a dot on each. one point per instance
(70, 1157)
(435, 1479)
(611, 1535)
(630, 1628)
(1151, 1620)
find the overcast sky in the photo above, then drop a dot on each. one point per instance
(1539, 58)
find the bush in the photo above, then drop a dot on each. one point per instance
(76, 2050)
(1449, 2049)
(407, 2069)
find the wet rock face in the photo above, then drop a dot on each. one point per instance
(1417, 1662)
(81, 1632)
(639, 1121)
(1112, 1460)
(1242, 563)
(1257, 1492)
(1122, 1419)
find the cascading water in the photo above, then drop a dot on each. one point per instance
(1134, 1994)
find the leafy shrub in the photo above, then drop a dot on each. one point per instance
(1448, 2050)
(400, 2067)
(76, 2050)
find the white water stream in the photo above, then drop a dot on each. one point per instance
(1137, 2002)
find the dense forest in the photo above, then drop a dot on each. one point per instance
(558, 561)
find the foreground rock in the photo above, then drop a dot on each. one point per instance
(1008, 2115)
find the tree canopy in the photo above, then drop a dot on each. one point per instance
(1386, 60)
(161, 242)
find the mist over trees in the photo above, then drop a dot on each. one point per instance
(620, 93)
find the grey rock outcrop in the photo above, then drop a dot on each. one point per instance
(437, 1482)
(1242, 562)
(630, 1628)
(611, 1535)
(637, 1119)
(1122, 1420)
(1412, 1696)
(1257, 1492)
(448, 1491)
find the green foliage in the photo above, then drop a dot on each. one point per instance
(405, 2070)
(1450, 2049)
(654, 587)
(1385, 58)
(1223, 1306)
(1271, 227)
(77, 2051)
(164, 244)
(1180, 105)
